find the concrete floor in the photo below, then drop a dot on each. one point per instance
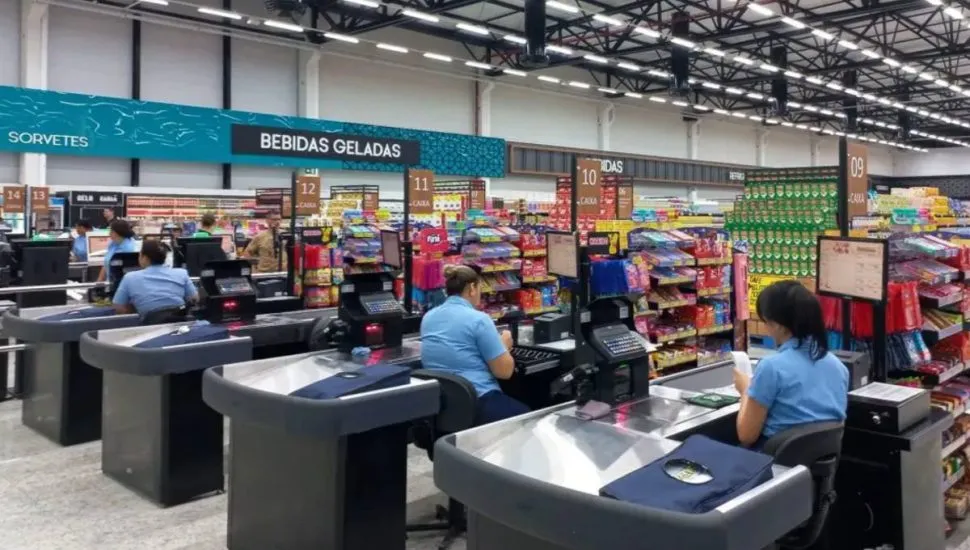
(55, 498)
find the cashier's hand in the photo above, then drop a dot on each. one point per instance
(507, 339)
(741, 382)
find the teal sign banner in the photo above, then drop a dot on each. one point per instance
(55, 123)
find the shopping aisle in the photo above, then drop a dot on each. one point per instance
(54, 498)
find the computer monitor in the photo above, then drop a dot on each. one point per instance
(562, 253)
(391, 249)
(97, 244)
(194, 252)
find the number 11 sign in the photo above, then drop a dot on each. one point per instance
(421, 191)
(589, 181)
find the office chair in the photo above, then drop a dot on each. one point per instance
(459, 403)
(817, 447)
(165, 315)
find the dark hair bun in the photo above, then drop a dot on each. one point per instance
(451, 271)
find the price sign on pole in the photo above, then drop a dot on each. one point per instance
(39, 200)
(588, 172)
(14, 200)
(624, 201)
(421, 187)
(858, 160)
(371, 201)
(308, 194)
(476, 196)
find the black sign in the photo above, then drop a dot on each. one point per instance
(93, 198)
(288, 142)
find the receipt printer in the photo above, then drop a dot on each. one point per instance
(551, 327)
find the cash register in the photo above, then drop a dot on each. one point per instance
(372, 315)
(226, 292)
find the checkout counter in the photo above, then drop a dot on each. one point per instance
(158, 437)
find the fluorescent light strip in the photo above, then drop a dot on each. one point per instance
(657, 99)
(550, 79)
(364, 3)
(833, 86)
(515, 39)
(392, 48)
(794, 74)
(755, 95)
(711, 85)
(743, 60)
(420, 15)
(721, 112)
(891, 62)
(155, 2)
(715, 52)
(633, 95)
(769, 67)
(870, 54)
(606, 90)
(437, 57)
(794, 23)
(596, 59)
(562, 7)
(683, 42)
(679, 103)
(474, 29)
(630, 67)
(477, 65)
(734, 91)
(953, 12)
(646, 32)
(702, 107)
(577, 84)
(514, 72)
(848, 45)
(813, 80)
(558, 49)
(283, 25)
(220, 13)
(341, 38)
(823, 35)
(658, 74)
(758, 8)
(612, 21)
(755, 118)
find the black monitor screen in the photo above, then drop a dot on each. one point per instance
(201, 253)
(391, 248)
(233, 285)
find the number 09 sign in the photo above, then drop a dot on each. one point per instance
(858, 179)
(588, 182)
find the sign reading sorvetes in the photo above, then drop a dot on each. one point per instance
(287, 142)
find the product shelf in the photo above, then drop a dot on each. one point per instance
(955, 445)
(673, 337)
(706, 331)
(952, 480)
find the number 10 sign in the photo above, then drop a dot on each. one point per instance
(588, 182)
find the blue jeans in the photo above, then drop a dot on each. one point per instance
(495, 406)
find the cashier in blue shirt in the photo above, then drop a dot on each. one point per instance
(458, 338)
(121, 239)
(156, 286)
(801, 384)
(79, 248)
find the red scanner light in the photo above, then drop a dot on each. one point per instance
(230, 305)
(373, 328)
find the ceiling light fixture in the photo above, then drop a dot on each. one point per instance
(909, 69)
(715, 52)
(848, 45)
(769, 67)
(702, 107)
(596, 59)
(739, 115)
(474, 29)
(646, 32)
(437, 57)
(823, 35)
(679, 103)
(722, 112)
(155, 2)
(813, 80)
(794, 23)
(633, 95)
(514, 72)
(630, 67)
(682, 42)
(364, 3)
(558, 49)
(562, 7)
(758, 8)
(515, 39)
(612, 21)
(734, 91)
(414, 14)
(832, 85)
(578, 84)
(743, 60)
(953, 12)
(220, 13)
(711, 85)
(283, 25)
(341, 38)
(870, 54)
(793, 74)
(477, 65)
(891, 62)
(755, 95)
(658, 74)
(391, 48)
(606, 90)
(550, 79)
(657, 99)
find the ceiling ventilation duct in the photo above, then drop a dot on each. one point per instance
(535, 35)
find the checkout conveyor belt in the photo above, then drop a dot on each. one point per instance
(517, 477)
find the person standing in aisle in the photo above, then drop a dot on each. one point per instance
(266, 249)
(208, 224)
(458, 338)
(801, 384)
(156, 286)
(122, 239)
(79, 248)
(109, 216)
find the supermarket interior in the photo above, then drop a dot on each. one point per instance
(484, 275)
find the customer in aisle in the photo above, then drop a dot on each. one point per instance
(156, 286)
(109, 216)
(801, 384)
(208, 224)
(266, 248)
(121, 239)
(79, 248)
(456, 337)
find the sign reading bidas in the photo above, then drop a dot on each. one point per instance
(286, 142)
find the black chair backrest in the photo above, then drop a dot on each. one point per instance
(165, 315)
(806, 444)
(459, 401)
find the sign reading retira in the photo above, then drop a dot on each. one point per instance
(287, 142)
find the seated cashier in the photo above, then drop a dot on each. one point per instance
(458, 338)
(121, 239)
(156, 286)
(79, 248)
(801, 384)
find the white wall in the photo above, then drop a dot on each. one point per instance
(9, 73)
(954, 161)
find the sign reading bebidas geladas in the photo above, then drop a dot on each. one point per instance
(287, 142)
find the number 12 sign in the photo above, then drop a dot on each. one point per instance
(589, 180)
(421, 191)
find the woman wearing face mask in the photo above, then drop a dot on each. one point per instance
(122, 240)
(801, 384)
(458, 338)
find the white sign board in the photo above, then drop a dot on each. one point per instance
(852, 268)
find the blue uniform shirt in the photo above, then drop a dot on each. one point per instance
(155, 287)
(457, 338)
(126, 245)
(797, 390)
(80, 248)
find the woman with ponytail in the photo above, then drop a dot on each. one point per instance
(801, 384)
